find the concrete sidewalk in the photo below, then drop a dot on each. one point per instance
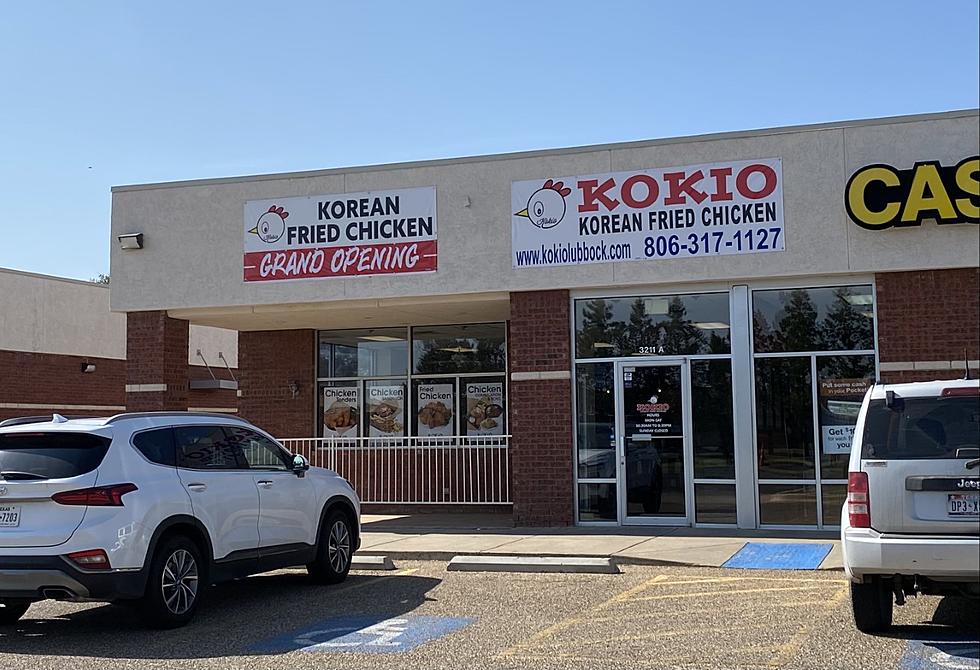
(414, 538)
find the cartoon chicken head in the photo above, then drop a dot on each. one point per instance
(271, 225)
(546, 206)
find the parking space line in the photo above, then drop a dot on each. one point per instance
(581, 617)
(702, 594)
(792, 646)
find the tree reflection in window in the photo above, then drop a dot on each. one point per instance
(459, 349)
(821, 319)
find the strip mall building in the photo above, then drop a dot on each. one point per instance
(672, 332)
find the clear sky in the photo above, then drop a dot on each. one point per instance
(95, 94)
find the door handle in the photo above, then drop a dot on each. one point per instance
(197, 486)
(264, 484)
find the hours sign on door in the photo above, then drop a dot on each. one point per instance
(698, 210)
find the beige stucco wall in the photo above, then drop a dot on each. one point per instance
(54, 315)
(193, 230)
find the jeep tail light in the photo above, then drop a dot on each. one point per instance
(99, 496)
(858, 503)
(90, 559)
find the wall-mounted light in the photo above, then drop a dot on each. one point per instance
(131, 241)
(88, 367)
(293, 389)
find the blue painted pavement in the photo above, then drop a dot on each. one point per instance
(950, 654)
(779, 556)
(366, 635)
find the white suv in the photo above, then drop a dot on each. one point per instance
(153, 507)
(910, 524)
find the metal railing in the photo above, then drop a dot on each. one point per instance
(452, 470)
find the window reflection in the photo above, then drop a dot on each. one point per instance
(841, 384)
(817, 319)
(652, 325)
(452, 349)
(596, 420)
(364, 353)
(714, 435)
(784, 417)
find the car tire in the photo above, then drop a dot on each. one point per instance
(335, 550)
(872, 605)
(12, 610)
(174, 586)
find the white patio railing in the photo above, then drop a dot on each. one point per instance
(458, 470)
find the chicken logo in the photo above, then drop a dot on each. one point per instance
(546, 206)
(271, 225)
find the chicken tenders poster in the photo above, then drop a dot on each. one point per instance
(647, 215)
(342, 235)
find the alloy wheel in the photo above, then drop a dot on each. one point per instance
(180, 582)
(338, 546)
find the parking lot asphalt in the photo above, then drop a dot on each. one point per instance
(421, 616)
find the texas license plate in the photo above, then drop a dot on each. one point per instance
(963, 504)
(9, 516)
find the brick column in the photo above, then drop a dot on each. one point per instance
(156, 362)
(927, 323)
(541, 408)
(268, 363)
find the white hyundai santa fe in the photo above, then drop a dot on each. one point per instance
(153, 507)
(911, 524)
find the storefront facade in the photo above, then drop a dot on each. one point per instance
(674, 332)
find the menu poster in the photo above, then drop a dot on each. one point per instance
(652, 402)
(435, 404)
(485, 408)
(840, 402)
(386, 411)
(341, 411)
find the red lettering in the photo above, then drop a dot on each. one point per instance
(591, 192)
(742, 181)
(721, 176)
(653, 191)
(679, 186)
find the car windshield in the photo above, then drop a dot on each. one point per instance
(36, 456)
(923, 428)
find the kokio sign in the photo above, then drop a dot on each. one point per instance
(700, 210)
(349, 234)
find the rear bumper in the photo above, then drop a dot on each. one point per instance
(868, 552)
(41, 577)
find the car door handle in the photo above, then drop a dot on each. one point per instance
(264, 484)
(197, 486)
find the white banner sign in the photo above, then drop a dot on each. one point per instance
(700, 210)
(342, 235)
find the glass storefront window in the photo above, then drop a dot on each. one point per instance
(833, 496)
(788, 504)
(711, 408)
(714, 503)
(813, 319)
(373, 352)
(652, 326)
(841, 384)
(784, 418)
(597, 502)
(595, 412)
(455, 349)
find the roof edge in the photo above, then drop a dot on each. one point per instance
(535, 153)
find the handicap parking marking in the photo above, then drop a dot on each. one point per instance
(366, 635)
(950, 654)
(779, 556)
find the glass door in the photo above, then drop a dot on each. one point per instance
(654, 448)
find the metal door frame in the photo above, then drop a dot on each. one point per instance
(688, 449)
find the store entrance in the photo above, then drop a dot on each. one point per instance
(653, 416)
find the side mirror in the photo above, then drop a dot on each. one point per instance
(300, 464)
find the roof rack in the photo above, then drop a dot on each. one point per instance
(150, 415)
(47, 418)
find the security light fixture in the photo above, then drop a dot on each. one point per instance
(381, 338)
(131, 241)
(88, 367)
(711, 325)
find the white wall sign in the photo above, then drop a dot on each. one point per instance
(700, 210)
(342, 235)
(435, 403)
(837, 439)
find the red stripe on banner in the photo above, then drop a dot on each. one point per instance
(347, 261)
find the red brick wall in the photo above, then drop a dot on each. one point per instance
(156, 352)
(211, 398)
(928, 316)
(267, 362)
(53, 381)
(540, 409)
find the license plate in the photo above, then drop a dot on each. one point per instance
(9, 516)
(963, 504)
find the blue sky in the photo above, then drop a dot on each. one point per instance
(97, 94)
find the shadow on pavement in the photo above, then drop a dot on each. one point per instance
(232, 621)
(950, 639)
